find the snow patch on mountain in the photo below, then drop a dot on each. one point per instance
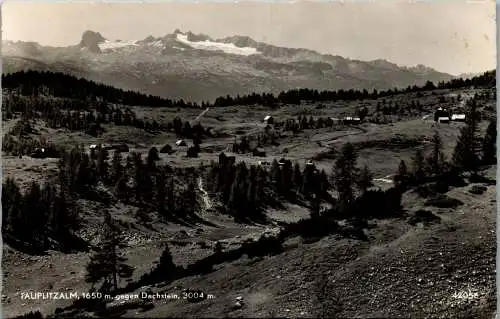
(157, 44)
(115, 44)
(229, 48)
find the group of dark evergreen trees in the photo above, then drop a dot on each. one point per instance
(252, 142)
(42, 216)
(297, 96)
(304, 123)
(87, 116)
(75, 116)
(18, 141)
(470, 154)
(62, 85)
(244, 190)
(49, 208)
(139, 182)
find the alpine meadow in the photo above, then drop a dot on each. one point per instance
(280, 164)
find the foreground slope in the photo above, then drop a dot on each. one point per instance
(443, 270)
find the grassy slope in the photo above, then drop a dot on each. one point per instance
(402, 271)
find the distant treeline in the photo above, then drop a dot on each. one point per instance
(77, 115)
(63, 85)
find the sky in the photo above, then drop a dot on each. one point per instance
(451, 36)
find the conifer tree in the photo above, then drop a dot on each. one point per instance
(436, 160)
(106, 263)
(490, 144)
(315, 209)
(121, 189)
(116, 167)
(34, 218)
(286, 178)
(170, 196)
(138, 175)
(276, 174)
(233, 200)
(418, 169)
(166, 265)
(401, 179)
(344, 174)
(323, 184)
(307, 180)
(11, 207)
(297, 177)
(161, 192)
(85, 174)
(102, 165)
(466, 155)
(364, 179)
(153, 156)
(190, 198)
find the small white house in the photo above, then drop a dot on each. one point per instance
(93, 146)
(269, 119)
(443, 119)
(347, 120)
(180, 143)
(458, 117)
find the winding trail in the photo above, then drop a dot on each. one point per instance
(330, 141)
(387, 179)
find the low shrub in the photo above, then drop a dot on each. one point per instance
(424, 216)
(443, 201)
(477, 189)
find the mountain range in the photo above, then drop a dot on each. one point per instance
(195, 67)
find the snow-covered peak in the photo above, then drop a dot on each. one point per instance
(229, 48)
(115, 44)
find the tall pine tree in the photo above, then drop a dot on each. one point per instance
(466, 155)
(365, 179)
(106, 263)
(401, 179)
(418, 169)
(436, 160)
(490, 144)
(345, 173)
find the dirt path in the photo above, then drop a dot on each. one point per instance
(386, 179)
(206, 198)
(311, 138)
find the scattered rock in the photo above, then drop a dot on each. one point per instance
(238, 305)
(443, 201)
(182, 234)
(424, 216)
